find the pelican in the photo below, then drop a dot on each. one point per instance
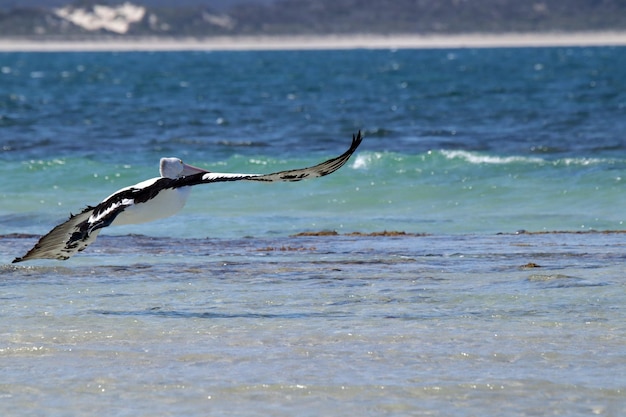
(154, 199)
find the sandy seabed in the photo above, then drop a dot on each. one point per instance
(365, 41)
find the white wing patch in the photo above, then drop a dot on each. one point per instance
(95, 218)
(217, 176)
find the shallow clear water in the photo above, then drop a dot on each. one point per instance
(223, 310)
(436, 325)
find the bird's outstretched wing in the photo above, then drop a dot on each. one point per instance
(81, 230)
(319, 170)
(64, 240)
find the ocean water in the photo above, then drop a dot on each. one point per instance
(502, 292)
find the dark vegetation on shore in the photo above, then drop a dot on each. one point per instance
(205, 18)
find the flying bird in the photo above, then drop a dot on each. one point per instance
(154, 199)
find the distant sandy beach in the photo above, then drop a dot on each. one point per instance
(234, 43)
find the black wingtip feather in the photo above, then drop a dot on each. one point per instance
(356, 141)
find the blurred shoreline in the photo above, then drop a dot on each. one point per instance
(318, 42)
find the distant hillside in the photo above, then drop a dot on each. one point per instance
(198, 18)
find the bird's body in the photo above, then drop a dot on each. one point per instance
(165, 204)
(155, 199)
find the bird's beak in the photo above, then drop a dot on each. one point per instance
(190, 170)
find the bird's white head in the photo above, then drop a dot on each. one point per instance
(175, 168)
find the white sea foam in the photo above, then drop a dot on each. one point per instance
(365, 160)
(476, 158)
(584, 161)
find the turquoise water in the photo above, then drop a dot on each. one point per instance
(224, 310)
(457, 141)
